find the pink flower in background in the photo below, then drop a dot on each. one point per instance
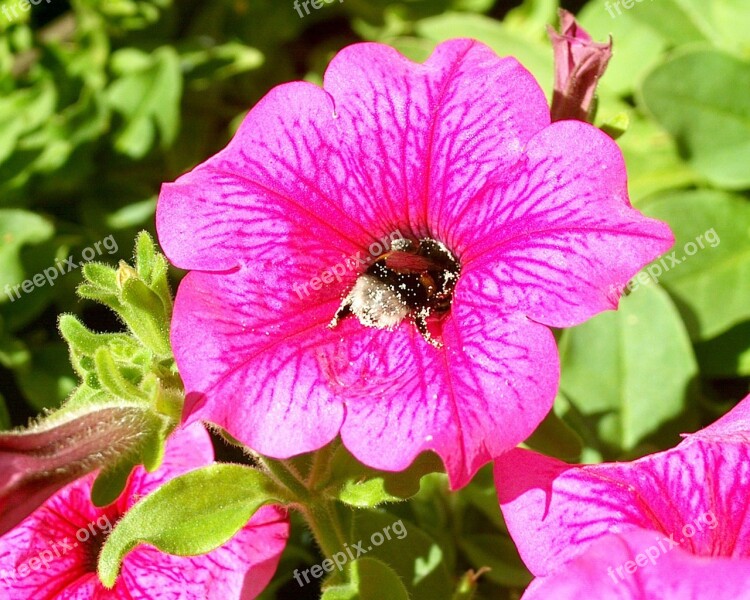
(437, 341)
(52, 554)
(38, 461)
(674, 525)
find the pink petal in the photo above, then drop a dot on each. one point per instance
(555, 511)
(423, 139)
(477, 397)
(326, 173)
(732, 427)
(556, 238)
(148, 573)
(254, 368)
(272, 198)
(402, 396)
(60, 530)
(47, 537)
(662, 572)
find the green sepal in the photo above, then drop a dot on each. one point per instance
(113, 380)
(152, 268)
(109, 484)
(84, 342)
(144, 312)
(140, 296)
(101, 277)
(354, 484)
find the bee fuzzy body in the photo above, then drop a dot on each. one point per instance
(413, 280)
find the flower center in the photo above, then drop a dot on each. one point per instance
(92, 546)
(413, 279)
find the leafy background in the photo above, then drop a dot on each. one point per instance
(102, 100)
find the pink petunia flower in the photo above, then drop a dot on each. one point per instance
(52, 554)
(673, 525)
(382, 258)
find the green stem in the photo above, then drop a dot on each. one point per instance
(320, 513)
(323, 520)
(287, 476)
(321, 462)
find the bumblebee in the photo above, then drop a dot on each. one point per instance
(413, 280)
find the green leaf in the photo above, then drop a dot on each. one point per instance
(205, 64)
(732, 20)
(677, 21)
(190, 515)
(47, 379)
(152, 267)
(727, 355)
(555, 438)
(653, 161)
(499, 553)
(532, 17)
(145, 313)
(132, 214)
(410, 552)
(13, 352)
(721, 22)
(481, 494)
(711, 283)
(371, 580)
(357, 485)
(618, 376)
(22, 111)
(101, 277)
(148, 98)
(616, 126)
(637, 47)
(18, 228)
(694, 96)
(144, 304)
(111, 482)
(84, 344)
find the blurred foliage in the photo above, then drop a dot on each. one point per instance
(103, 100)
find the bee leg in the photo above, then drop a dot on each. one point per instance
(420, 320)
(342, 312)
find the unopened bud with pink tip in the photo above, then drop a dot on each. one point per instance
(579, 64)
